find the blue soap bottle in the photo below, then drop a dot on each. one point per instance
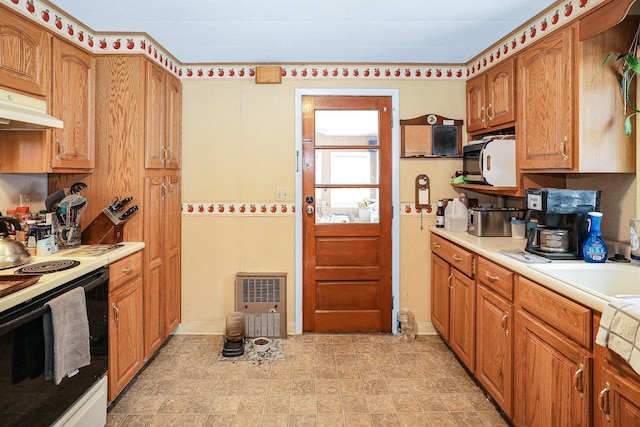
(594, 249)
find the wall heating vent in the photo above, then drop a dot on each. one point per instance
(263, 299)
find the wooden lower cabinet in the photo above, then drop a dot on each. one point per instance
(453, 300)
(440, 295)
(618, 398)
(616, 389)
(463, 313)
(552, 376)
(535, 351)
(125, 322)
(494, 347)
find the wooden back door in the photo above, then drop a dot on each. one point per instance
(347, 209)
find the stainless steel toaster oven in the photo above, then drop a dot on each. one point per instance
(493, 222)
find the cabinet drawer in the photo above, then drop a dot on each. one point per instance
(124, 270)
(495, 277)
(567, 317)
(459, 258)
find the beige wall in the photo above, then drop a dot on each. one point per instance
(238, 146)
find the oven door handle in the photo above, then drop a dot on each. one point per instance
(27, 317)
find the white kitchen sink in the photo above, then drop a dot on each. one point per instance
(599, 279)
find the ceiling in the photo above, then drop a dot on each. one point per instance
(301, 31)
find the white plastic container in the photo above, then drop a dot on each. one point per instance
(456, 216)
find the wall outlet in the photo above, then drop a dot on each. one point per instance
(282, 194)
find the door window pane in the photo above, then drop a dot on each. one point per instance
(347, 167)
(346, 127)
(346, 205)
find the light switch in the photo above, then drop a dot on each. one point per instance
(282, 194)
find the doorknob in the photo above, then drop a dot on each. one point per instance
(310, 209)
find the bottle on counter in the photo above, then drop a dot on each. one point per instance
(594, 249)
(440, 214)
(32, 238)
(23, 213)
(456, 216)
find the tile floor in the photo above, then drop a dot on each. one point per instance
(324, 380)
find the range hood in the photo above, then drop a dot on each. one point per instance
(19, 112)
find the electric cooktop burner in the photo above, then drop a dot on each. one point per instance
(48, 267)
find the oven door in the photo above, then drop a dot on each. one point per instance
(26, 398)
(472, 163)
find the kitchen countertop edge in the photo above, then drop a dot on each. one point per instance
(51, 281)
(490, 247)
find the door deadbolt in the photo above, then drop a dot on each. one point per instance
(309, 199)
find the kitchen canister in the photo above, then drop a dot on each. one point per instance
(518, 228)
(634, 238)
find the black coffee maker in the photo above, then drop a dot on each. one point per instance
(557, 221)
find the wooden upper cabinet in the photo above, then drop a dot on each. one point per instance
(73, 101)
(500, 93)
(164, 126)
(545, 78)
(25, 55)
(173, 138)
(491, 98)
(475, 104)
(154, 146)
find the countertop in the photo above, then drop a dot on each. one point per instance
(490, 247)
(53, 280)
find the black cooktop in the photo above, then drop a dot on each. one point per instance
(48, 267)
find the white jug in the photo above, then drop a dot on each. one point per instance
(455, 216)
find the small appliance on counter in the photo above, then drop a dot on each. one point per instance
(492, 222)
(490, 161)
(557, 221)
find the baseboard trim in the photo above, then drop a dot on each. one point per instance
(218, 327)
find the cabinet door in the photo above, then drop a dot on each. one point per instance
(173, 137)
(553, 377)
(155, 117)
(172, 292)
(462, 318)
(440, 295)
(154, 228)
(125, 335)
(73, 147)
(500, 93)
(494, 347)
(619, 399)
(25, 55)
(546, 102)
(475, 104)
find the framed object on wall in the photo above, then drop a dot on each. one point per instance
(431, 135)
